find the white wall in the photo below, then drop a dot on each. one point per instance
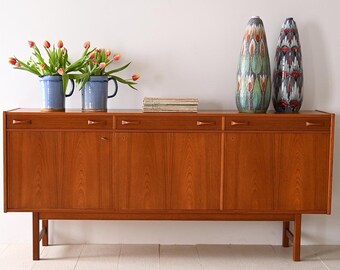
(182, 48)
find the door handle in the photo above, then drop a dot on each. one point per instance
(93, 122)
(209, 123)
(314, 124)
(21, 122)
(234, 123)
(124, 122)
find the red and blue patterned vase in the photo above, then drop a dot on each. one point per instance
(253, 90)
(288, 73)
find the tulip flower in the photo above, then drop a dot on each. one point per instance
(60, 71)
(87, 44)
(47, 44)
(107, 52)
(56, 61)
(12, 60)
(31, 44)
(116, 57)
(60, 44)
(92, 55)
(135, 77)
(102, 65)
(99, 50)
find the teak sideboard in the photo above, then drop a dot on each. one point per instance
(129, 165)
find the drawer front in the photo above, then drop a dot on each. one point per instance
(277, 122)
(22, 121)
(128, 122)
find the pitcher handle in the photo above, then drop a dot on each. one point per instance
(116, 85)
(71, 92)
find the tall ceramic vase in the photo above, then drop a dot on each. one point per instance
(288, 73)
(253, 74)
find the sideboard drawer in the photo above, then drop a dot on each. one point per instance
(46, 121)
(128, 122)
(277, 122)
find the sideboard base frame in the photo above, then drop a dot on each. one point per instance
(287, 234)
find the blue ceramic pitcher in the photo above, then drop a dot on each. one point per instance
(95, 93)
(53, 96)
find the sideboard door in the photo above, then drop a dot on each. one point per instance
(141, 170)
(86, 180)
(33, 163)
(302, 163)
(195, 171)
(249, 172)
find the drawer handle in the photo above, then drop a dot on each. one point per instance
(124, 122)
(21, 122)
(104, 138)
(233, 123)
(92, 122)
(314, 124)
(211, 123)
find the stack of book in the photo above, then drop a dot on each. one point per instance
(170, 104)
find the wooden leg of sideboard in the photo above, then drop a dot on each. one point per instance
(297, 238)
(285, 239)
(45, 236)
(36, 240)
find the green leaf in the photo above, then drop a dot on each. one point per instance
(133, 87)
(48, 52)
(65, 78)
(39, 57)
(77, 76)
(78, 64)
(24, 66)
(129, 83)
(118, 69)
(84, 80)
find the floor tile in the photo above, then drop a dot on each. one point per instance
(309, 258)
(213, 256)
(329, 255)
(17, 257)
(59, 257)
(255, 257)
(3, 248)
(99, 257)
(179, 257)
(139, 257)
(250, 257)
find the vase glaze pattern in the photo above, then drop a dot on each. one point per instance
(253, 88)
(288, 73)
(53, 96)
(95, 93)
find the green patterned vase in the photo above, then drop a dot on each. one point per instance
(253, 74)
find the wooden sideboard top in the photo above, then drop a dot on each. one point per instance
(140, 112)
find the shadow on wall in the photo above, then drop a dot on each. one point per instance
(336, 169)
(315, 60)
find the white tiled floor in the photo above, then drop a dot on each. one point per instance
(149, 257)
